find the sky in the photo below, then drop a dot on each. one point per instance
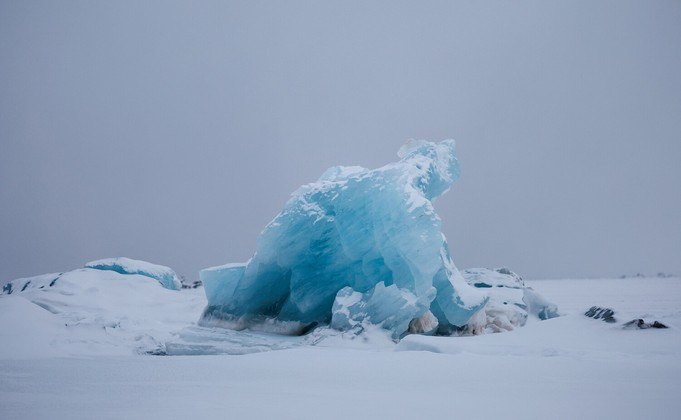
(173, 132)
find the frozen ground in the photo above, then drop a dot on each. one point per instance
(566, 368)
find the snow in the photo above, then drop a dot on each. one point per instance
(28, 330)
(372, 232)
(510, 301)
(93, 311)
(561, 368)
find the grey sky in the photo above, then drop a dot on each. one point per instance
(174, 131)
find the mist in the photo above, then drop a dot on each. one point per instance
(173, 132)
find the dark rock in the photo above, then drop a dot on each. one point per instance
(635, 324)
(640, 324)
(188, 284)
(308, 328)
(606, 314)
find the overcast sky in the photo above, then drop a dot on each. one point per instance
(174, 131)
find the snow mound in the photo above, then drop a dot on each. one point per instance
(165, 275)
(510, 301)
(92, 311)
(355, 234)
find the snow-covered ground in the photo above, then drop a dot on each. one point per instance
(79, 351)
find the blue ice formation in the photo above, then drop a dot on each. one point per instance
(510, 300)
(357, 246)
(165, 275)
(393, 308)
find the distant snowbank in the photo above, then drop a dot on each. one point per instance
(94, 311)
(165, 275)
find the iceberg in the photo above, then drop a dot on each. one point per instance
(511, 302)
(357, 246)
(122, 265)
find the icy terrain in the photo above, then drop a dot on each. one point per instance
(83, 348)
(165, 275)
(340, 314)
(356, 247)
(510, 302)
(92, 311)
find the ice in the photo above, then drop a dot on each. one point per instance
(538, 305)
(390, 307)
(165, 275)
(510, 300)
(372, 235)
(196, 340)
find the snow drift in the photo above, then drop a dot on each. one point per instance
(94, 311)
(510, 303)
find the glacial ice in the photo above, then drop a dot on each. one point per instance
(510, 300)
(389, 306)
(357, 246)
(122, 265)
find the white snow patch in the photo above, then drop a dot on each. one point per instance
(563, 368)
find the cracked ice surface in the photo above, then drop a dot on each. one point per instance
(370, 234)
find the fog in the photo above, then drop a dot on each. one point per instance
(173, 132)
